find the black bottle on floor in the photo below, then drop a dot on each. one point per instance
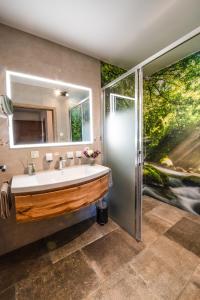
(102, 212)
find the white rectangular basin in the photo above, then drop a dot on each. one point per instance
(47, 180)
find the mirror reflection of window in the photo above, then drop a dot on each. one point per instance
(86, 120)
(76, 124)
(80, 121)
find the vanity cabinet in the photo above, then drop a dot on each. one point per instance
(43, 205)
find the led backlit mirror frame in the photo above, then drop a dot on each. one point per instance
(9, 74)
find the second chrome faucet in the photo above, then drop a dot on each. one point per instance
(61, 163)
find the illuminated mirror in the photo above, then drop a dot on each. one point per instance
(48, 112)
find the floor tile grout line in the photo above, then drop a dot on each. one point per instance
(9, 287)
(189, 280)
(79, 249)
(162, 219)
(53, 264)
(100, 277)
(186, 283)
(191, 219)
(167, 221)
(174, 241)
(147, 246)
(106, 278)
(127, 264)
(32, 273)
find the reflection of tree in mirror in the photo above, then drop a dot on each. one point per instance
(86, 111)
(80, 121)
(76, 124)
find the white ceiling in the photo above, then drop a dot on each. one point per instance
(122, 32)
(186, 49)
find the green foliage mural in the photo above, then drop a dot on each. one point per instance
(171, 130)
(125, 87)
(109, 73)
(172, 134)
(171, 106)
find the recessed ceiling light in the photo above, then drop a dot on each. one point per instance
(61, 93)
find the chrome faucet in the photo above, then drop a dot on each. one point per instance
(31, 169)
(61, 163)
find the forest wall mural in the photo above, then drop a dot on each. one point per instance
(172, 134)
(171, 131)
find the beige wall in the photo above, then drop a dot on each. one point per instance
(25, 53)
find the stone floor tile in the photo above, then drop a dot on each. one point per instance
(124, 284)
(166, 267)
(65, 250)
(91, 234)
(70, 278)
(18, 264)
(168, 213)
(193, 218)
(75, 242)
(192, 289)
(112, 251)
(72, 239)
(187, 234)
(88, 261)
(148, 203)
(152, 228)
(191, 292)
(67, 235)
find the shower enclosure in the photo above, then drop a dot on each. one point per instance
(123, 112)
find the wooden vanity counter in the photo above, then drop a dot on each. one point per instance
(38, 205)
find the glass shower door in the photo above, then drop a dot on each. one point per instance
(120, 151)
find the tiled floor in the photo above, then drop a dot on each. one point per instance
(92, 262)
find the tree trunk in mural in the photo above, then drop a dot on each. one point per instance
(172, 134)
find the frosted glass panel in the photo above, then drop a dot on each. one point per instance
(120, 151)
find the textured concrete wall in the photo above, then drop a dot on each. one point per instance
(25, 53)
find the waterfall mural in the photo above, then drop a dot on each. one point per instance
(172, 134)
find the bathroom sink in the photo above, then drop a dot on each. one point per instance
(47, 180)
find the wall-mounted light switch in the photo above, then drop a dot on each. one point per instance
(70, 155)
(49, 157)
(78, 154)
(35, 154)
